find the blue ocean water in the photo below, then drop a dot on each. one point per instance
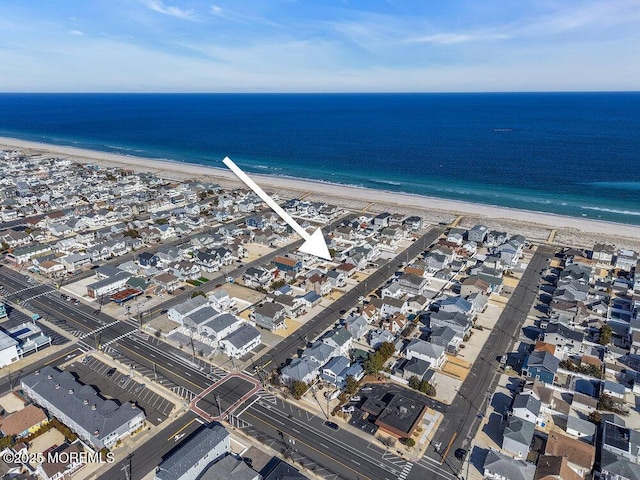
(574, 154)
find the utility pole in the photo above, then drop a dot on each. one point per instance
(219, 407)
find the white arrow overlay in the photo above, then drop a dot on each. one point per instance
(314, 244)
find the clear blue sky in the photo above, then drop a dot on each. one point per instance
(319, 45)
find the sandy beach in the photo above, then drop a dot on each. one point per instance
(535, 225)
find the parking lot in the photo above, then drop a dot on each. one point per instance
(114, 384)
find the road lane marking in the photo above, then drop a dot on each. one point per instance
(183, 428)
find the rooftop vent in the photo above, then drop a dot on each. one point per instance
(49, 377)
(71, 391)
(57, 386)
(93, 407)
(96, 432)
(86, 402)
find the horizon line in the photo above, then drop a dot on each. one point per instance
(383, 92)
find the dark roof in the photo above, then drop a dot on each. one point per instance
(229, 468)
(280, 471)
(401, 413)
(190, 452)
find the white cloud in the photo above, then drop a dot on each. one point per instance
(76, 32)
(160, 7)
(454, 38)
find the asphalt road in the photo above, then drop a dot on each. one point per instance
(462, 416)
(146, 457)
(288, 348)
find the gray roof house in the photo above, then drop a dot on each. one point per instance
(241, 341)
(517, 436)
(357, 326)
(526, 406)
(499, 466)
(429, 352)
(456, 304)
(319, 352)
(454, 320)
(378, 337)
(195, 454)
(416, 367)
(195, 320)
(221, 326)
(184, 309)
(230, 467)
(340, 339)
(302, 369)
(269, 315)
(95, 420)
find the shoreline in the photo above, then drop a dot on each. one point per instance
(343, 195)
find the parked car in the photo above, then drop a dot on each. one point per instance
(332, 425)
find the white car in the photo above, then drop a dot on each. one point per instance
(348, 409)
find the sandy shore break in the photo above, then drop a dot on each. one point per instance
(568, 228)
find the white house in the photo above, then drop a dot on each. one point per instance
(242, 341)
(434, 354)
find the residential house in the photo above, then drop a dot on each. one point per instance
(527, 406)
(581, 428)
(23, 422)
(541, 366)
(564, 338)
(392, 305)
(310, 299)
(221, 326)
(478, 234)
(472, 285)
(335, 371)
(257, 277)
(377, 337)
(300, 369)
(319, 284)
(434, 354)
(457, 305)
(458, 322)
(148, 259)
(555, 467)
(286, 264)
(446, 337)
(395, 323)
(186, 308)
(498, 466)
(75, 261)
(269, 315)
(580, 456)
(416, 367)
(241, 341)
(603, 253)
(357, 326)
(517, 436)
(320, 352)
(339, 339)
(166, 281)
(412, 283)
